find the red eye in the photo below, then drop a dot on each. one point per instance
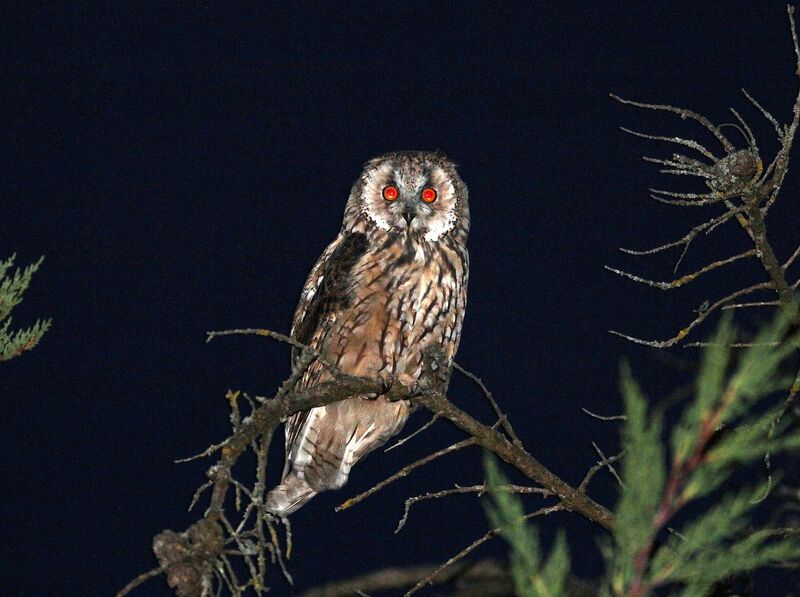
(428, 195)
(390, 193)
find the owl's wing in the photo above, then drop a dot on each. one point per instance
(326, 292)
(327, 289)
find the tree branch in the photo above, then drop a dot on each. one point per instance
(191, 560)
(517, 457)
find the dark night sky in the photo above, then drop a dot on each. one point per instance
(183, 167)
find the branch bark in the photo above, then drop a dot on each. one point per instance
(517, 457)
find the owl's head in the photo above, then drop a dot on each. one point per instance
(410, 192)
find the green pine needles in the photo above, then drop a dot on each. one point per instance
(534, 575)
(14, 342)
(723, 429)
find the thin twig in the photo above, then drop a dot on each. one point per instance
(403, 472)
(395, 578)
(140, 579)
(489, 438)
(604, 462)
(603, 418)
(501, 416)
(270, 334)
(610, 463)
(687, 239)
(788, 403)
(696, 321)
(685, 142)
(459, 490)
(766, 114)
(198, 493)
(791, 259)
(678, 282)
(400, 442)
(207, 452)
(751, 304)
(474, 545)
(684, 114)
(731, 345)
(706, 199)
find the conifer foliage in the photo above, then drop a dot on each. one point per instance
(663, 535)
(14, 342)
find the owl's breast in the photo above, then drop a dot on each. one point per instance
(403, 298)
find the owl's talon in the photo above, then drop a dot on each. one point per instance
(415, 389)
(386, 381)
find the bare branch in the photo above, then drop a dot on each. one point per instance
(684, 114)
(459, 490)
(682, 165)
(517, 457)
(140, 579)
(207, 452)
(791, 259)
(678, 282)
(602, 418)
(747, 132)
(731, 345)
(704, 199)
(597, 467)
(697, 320)
(427, 580)
(500, 415)
(685, 142)
(763, 111)
(270, 334)
(770, 263)
(609, 463)
(403, 472)
(708, 226)
(751, 304)
(400, 442)
(395, 578)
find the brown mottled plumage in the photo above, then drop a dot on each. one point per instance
(393, 282)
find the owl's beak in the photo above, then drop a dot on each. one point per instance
(409, 213)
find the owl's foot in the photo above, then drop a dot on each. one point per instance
(397, 387)
(386, 380)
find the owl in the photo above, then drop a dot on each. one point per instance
(393, 282)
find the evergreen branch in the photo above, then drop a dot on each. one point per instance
(12, 287)
(707, 550)
(14, 343)
(533, 574)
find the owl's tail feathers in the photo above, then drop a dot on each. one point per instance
(289, 496)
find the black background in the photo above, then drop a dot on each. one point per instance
(183, 166)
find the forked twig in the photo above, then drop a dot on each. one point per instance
(678, 282)
(684, 114)
(501, 416)
(696, 321)
(459, 490)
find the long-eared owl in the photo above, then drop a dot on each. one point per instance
(393, 282)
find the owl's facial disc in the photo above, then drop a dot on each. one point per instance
(410, 199)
